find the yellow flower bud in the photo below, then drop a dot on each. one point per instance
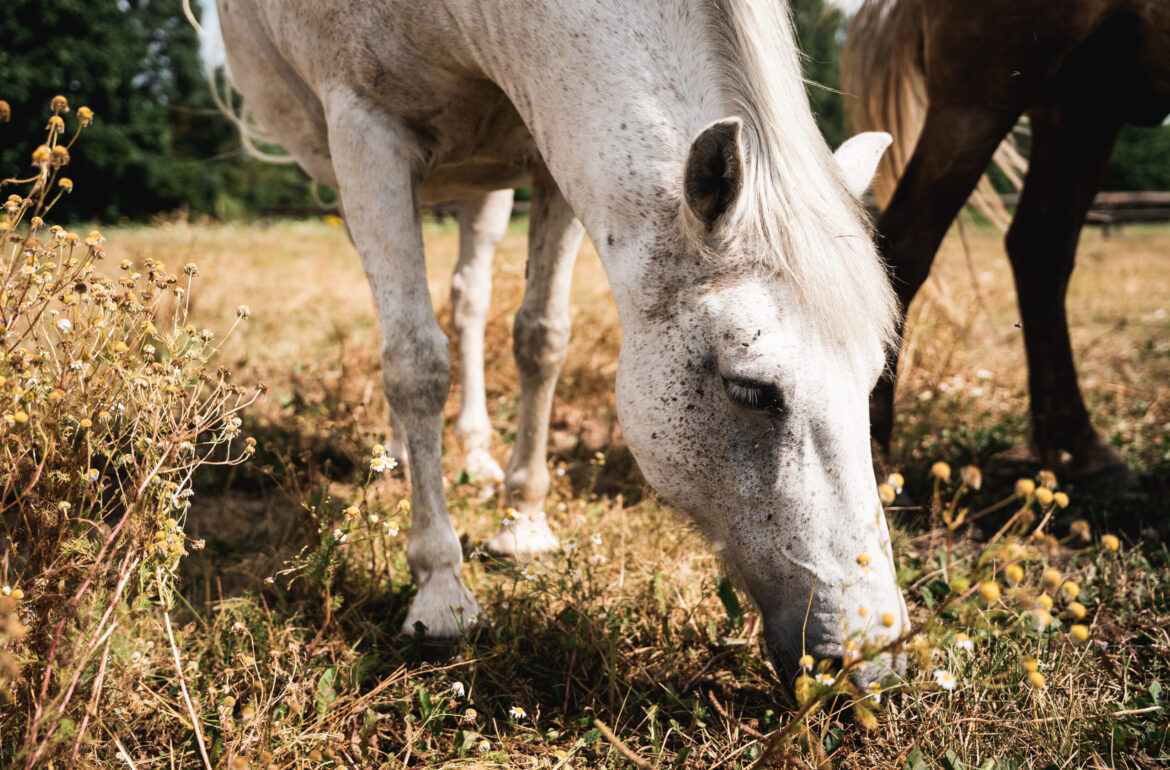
(1029, 664)
(886, 494)
(1062, 500)
(1044, 495)
(59, 104)
(1036, 680)
(1070, 590)
(1052, 577)
(1079, 633)
(1076, 610)
(1044, 601)
(1025, 487)
(1110, 542)
(888, 619)
(863, 559)
(1014, 573)
(989, 590)
(941, 471)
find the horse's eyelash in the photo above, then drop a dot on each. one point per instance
(748, 395)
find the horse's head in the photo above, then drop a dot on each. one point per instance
(745, 404)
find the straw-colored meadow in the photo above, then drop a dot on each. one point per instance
(1040, 606)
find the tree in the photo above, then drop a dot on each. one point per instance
(819, 30)
(135, 63)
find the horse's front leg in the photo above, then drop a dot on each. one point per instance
(374, 158)
(540, 343)
(482, 223)
(1071, 144)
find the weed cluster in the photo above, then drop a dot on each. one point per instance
(109, 406)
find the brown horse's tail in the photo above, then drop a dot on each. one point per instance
(882, 68)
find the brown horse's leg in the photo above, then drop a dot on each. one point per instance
(953, 151)
(1071, 146)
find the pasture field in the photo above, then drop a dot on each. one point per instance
(632, 650)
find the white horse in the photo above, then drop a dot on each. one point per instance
(755, 313)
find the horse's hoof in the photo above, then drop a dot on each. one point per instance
(443, 609)
(522, 539)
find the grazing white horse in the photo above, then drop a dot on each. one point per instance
(755, 313)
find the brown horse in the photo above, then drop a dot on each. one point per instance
(949, 79)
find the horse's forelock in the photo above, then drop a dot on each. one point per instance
(795, 205)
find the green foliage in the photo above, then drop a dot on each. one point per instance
(1141, 160)
(820, 28)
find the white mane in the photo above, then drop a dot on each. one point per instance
(793, 192)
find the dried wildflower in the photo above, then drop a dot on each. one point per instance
(1044, 496)
(1047, 479)
(59, 104)
(458, 690)
(59, 156)
(42, 155)
(5, 111)
(243, 312)
(95, 238)
(1061, 500)
(191, 269)
(1052, 577)
(1041, 618)
(1110, 542)
(1025, 487)
(971, 476)
(807, 662)
(85, 116)
(941, 471)
(56, 124)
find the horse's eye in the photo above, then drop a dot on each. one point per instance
(756, 396)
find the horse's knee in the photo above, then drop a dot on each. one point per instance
(416, 372)
(540, 344)
(471, 295)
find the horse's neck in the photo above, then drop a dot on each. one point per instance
(613, 93)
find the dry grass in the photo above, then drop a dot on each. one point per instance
(308, 672)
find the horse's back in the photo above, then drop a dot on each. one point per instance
(408, 62)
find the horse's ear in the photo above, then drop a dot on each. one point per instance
(714, 172)
(858, 158)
